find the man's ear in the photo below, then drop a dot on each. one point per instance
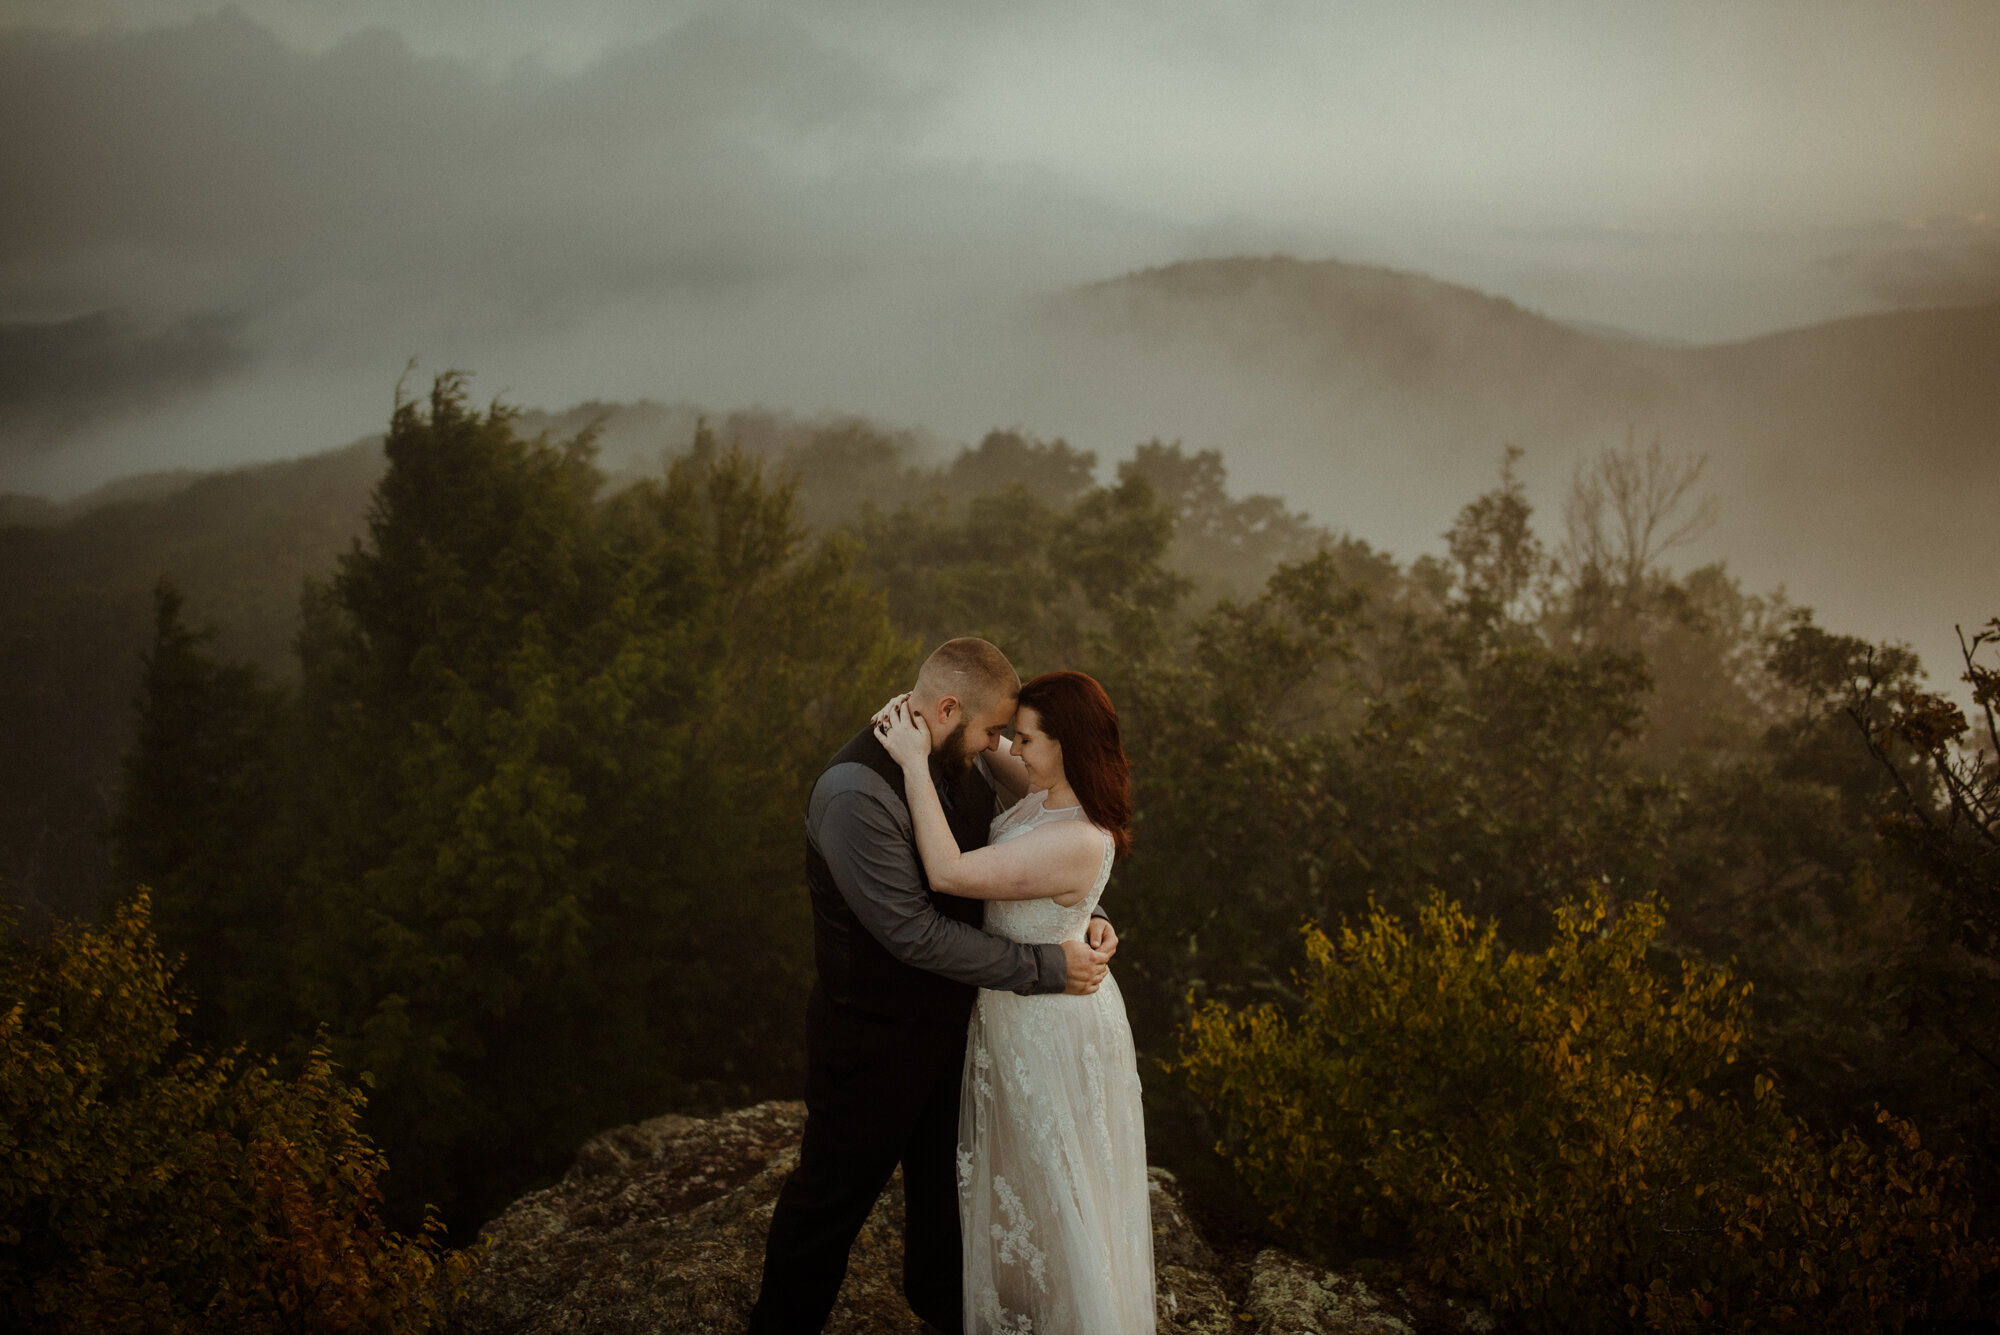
(947, 709)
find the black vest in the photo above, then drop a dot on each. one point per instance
(854, 969)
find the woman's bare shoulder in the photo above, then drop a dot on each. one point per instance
(1078, 835)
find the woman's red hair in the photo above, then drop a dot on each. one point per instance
(1076, 712)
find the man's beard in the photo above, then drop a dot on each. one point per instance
(952, 754)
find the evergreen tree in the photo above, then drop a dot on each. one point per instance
(567, 742)
(538, 868)
(198, 811)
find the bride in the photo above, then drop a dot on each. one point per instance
(1051, 1141)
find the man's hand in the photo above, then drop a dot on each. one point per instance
(1085, 968)
(1102, 936)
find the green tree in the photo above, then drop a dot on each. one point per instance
(572, 740)
(1359, 732)
(1227, 546)
(198, 810)
(1050, 471)
(1940, 818)
(540, 872)
(1774, 863)
(1084, 583)
(1501, 564)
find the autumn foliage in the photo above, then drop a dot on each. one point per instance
(1554, 1132)
(151, 1188)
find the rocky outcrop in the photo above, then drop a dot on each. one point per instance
(659, 1228)
(1289, 1297)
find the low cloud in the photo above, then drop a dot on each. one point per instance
(368, 195)
(213, 145)
(847, 205)
(1946, 263)
(60, 376)
(734, 198)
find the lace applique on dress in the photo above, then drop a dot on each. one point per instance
(1052, 1151)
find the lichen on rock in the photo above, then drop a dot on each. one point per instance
(1188, 1298)
(1289, 1296)
(659, 1228)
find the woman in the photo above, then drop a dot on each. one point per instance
(1051, 1142)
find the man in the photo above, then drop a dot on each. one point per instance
(899, 966)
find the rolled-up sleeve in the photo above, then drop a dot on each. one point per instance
(863, 831)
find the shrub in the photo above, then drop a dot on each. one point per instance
(1547, 1130)
(151, 1188)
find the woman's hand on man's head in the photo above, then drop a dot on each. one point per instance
(904, 734)
(881, 715)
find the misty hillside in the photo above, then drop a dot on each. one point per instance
(1924, 378)
(1436, 346)
(1925, 382)
(1857, 462)
(76, 609)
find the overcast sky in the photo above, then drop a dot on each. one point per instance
(225, 230)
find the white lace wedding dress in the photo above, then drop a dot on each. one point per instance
(1051, 1141)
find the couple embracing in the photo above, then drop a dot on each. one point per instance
(964, 1023)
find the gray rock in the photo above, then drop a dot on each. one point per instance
(656, 1228)
(1188, 1297)
(628, 1149)
(659, 1228)
(1291, 1297)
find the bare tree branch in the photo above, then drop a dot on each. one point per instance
(1628, 507)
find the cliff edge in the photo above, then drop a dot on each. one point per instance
(658, 1228)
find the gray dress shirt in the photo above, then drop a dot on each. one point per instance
(863, 830)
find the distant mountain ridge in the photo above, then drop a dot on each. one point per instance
(1925, 378)
(17, 510)
(1330, 315)
(1397, 332)
(1857, 461)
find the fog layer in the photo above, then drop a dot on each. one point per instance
(227, 231)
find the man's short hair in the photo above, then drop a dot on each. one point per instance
(971, 669)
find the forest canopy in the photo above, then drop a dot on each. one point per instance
(519, 832)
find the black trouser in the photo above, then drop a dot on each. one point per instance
(878, 1092)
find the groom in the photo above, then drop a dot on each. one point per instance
(899, 966)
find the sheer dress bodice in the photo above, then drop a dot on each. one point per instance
(1042, 920)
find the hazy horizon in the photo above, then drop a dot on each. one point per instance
(279, 202)
(232, 226)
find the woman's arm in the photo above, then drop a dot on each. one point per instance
(1008, 772)
(1058, 862)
